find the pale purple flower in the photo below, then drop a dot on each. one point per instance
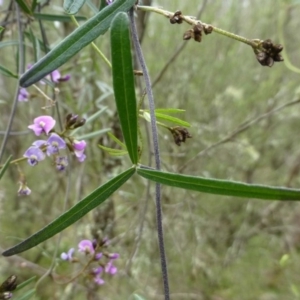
(55, 142)
(97, 272)
(42, 124)
(34, 155)
(24, 190)
(110, 268)
(79, 147)
(39, 143)
(109, 2)
(56, 77)
(86, 246)
(68, 255)
(114, 255)
(98, 256)
(23, 95)
(61, 163)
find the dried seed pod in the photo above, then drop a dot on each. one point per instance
(180, 134)
(188, 34)
(176, 18)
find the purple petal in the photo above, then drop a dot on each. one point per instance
(56, 76)
(86, 246)
(67, 256)
(64, 78)
(99, 280)
(79, 145)
(55, 142)
(97, 271)
(61, 163)
(42, 124)
(24, 190)
(39, 143)
(98, 256)
(34, 155)
(114, 255)
(23, 95)
(110, 268)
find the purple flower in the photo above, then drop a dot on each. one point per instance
(61, 163)
(23, 95)
(24, 190)
(56, 77)
(55, 142)
(79, 147)
(42, 124)
(39, 143)
(86, 246)
(109, 2)
(67, 256)
(114, 255)
(34, 155)
(97, 272)
(110, 268)
(98, 256)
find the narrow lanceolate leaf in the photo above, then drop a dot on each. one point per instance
(4, 71)
(72, 7)
(27, 295)
(172, 119)
(73, 43)
(123, 83)
(5, 166)
(25, 283)
(221, 187)
(24, 6)
(73, 214)
(60, 18)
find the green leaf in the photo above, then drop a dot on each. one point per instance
(72, 7)
(113, 152)
(92, 134)
(5, 166)
(174, 120)
(60, 18)
(27, 295)
(73, 43)
(123, 82)
(35, 45)
(1, 29)
(73, 214)
(4, 71)
(25, 283)
(9, 43)
(115, 139)
(138, 297)
(24, 7)
(220, 187)
(168, 110)
(43, 47)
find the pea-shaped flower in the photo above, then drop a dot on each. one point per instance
(42, 124)
(55, 142)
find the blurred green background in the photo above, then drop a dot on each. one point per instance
(218, 248)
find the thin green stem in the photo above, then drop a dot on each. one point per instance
(94, 45)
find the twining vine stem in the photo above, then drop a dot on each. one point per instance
(141, 59)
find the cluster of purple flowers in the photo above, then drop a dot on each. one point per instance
(104, 261)
(52, 146)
